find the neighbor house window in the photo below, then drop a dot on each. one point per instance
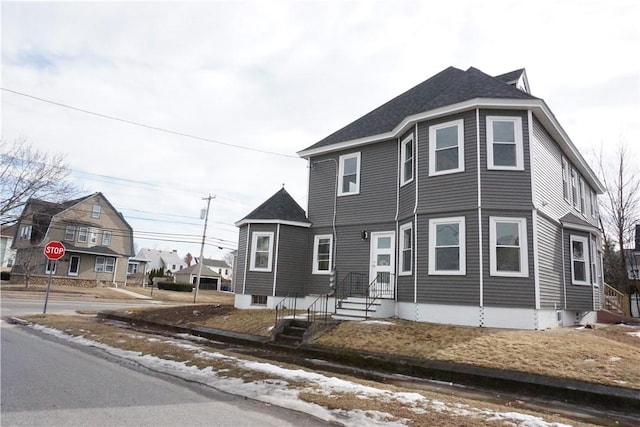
(261, 249)
(447, 246)
(579, 260)
(106, 238)
(504, 143)
(25, 232)
(594, 267)
(50, 267)
(132, 268)
(104, 264)
(594, 204)
(508, 245)
(322, 247)
(406, 247)
(95, 211)
(407, 160)
(446, 148)
(93, 236)
(74, 265)
(70, 233)
(565, 179)
(349, 174)
(83, 232)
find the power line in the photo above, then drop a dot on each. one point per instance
(131, 122)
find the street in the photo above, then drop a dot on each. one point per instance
(48, 383)
(19, 306)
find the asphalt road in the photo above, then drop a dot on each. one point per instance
(11, 306)
(45, 382)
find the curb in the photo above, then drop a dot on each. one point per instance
(595, 395)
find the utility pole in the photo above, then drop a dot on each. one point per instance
(204, 235)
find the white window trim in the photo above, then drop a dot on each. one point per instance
(86, 234)
(48, 264)
(107, 264)
(316, 241)
(93, 236)
(432, 147)
(587, 263)
(575, 188)
(594, 204)
(403, 160)
(254, 246)
(583, 197)
(70, 233)
(401, 248)
(566, 179)
(104, 234)
(73, 273)
(524, 249)
(517, 128)
(460, 220)
(96, 210)
(343, 158)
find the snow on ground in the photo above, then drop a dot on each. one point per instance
(377, 322)
(277, 392)
(634, 334)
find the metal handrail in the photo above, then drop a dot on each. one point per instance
(376, 295)
(283, 308)
(318, 309)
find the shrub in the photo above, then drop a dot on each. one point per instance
(180, 287)
(5, 275)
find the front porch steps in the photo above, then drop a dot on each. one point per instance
(293, 333)
(355, 308)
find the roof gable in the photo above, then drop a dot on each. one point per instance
(278, 208)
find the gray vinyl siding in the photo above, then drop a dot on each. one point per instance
(442, 289)
(261, 282)
(377, 200)
(456, 191)
(550, 264)
(240, 262)
(292, 260)
(405, 284)
(579, 297)
(547, 172)
(498, 183)
(508, 291)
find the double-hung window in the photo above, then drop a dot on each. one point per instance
(504, 143)
(446, 148)
(83, 232)
(565, 179)
(95, 211)
(582, 197)
(579, 260)
(25, 232)
(508, 246)
(50, 267)
(594, 204)
(406, 248)
(93, 236)
(261, 251)
(322, 253)
(70, 233)
(106, 238)
(349, 174)
(574, 188)
(407, 160)
(104, 264)
(447, 246)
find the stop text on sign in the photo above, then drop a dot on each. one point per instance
(54, 250)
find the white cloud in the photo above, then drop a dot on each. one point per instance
(279, 76)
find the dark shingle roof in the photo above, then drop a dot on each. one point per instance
(280, 206)
(571, 219)
(448, 87)
(510, 76)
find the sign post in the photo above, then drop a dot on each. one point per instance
(53, 250)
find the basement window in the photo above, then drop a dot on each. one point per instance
(258, 300)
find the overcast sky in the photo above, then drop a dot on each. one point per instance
(276, 77)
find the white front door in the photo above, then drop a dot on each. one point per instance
(382, 264)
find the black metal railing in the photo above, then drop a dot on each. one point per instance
(319, 309)
(380, 287)
(352, 285)
(287, 307)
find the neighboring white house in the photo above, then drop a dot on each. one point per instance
(219, 266)
(167, 260)
(7, 255)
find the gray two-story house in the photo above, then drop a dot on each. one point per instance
(460, 201)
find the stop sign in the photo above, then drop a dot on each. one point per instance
(54, 250)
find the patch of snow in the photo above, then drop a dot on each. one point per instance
(276, 391)
(191, 337)
(614, 358)
(153, 340)
(634, 334)
(619, 381)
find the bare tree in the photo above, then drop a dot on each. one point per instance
(620, 210)
(29, 262)
(27, 172)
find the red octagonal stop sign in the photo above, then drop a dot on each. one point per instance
(54, 250)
